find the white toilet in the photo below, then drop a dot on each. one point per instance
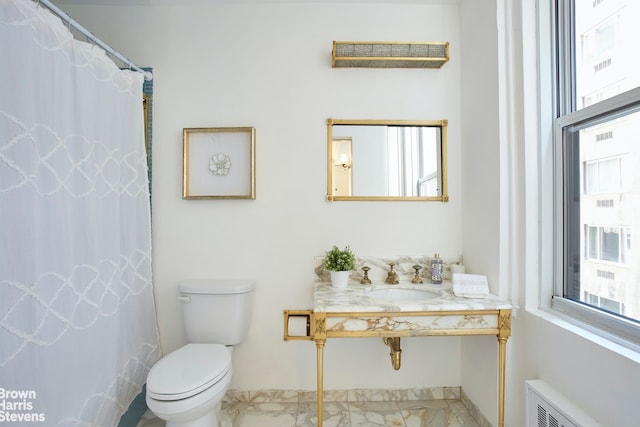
(186, 387)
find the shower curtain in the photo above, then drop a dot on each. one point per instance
(77, 319)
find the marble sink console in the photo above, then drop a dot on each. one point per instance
(354, 312)
(351, 311)
(356, 298)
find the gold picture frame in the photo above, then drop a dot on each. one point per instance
(219, 163)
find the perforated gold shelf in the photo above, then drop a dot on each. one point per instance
(389, 54)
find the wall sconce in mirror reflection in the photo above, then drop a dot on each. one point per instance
(342, 152)
(342, 162)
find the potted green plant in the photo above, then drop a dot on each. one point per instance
(339, 262)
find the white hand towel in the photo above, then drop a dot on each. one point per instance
(470, 285)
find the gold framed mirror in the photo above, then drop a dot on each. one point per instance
(404, 160)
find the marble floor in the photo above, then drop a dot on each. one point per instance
(408, 413)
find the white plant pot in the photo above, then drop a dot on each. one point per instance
(339, 279)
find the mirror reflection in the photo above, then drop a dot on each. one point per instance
(386, 160)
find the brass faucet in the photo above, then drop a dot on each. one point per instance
(392, 276)
(416, 277)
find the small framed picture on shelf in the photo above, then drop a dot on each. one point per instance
(219, 163)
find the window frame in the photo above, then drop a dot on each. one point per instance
(566, 116)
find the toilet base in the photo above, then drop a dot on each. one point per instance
(224, 420)
(209, 419)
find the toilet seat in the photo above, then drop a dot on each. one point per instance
(188, 371)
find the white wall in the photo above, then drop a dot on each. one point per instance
(268, 66)
(481, 222)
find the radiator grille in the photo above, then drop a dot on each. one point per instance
(549, 416)
(547, 408)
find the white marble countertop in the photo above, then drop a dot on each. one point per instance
(355, 298)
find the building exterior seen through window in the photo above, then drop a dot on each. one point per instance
(602, 161)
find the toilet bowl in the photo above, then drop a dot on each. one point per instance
(186, 387)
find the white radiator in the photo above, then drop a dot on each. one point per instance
(545, 407)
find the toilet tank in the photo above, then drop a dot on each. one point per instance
(216, 311)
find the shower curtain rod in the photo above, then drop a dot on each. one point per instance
(90, 36)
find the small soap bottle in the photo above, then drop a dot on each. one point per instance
(436, 269)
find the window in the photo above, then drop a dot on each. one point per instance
(413, 170)
(597, 153)
(612, 244)
(604, 175)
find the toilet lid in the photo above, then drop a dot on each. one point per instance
(216, 287)
(188, 371)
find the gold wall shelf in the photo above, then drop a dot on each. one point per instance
(389, 54)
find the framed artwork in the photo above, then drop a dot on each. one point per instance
(219, 163)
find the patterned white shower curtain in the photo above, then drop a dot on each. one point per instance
(77, 319)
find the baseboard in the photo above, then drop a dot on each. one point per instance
(474, 411)
(356, 395)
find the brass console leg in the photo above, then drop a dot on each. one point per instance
(504, 332)
(502, 365)
(320, 368)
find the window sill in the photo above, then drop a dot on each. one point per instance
(599, 337)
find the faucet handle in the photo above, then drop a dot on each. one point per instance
(365, 280)
(417, 278)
